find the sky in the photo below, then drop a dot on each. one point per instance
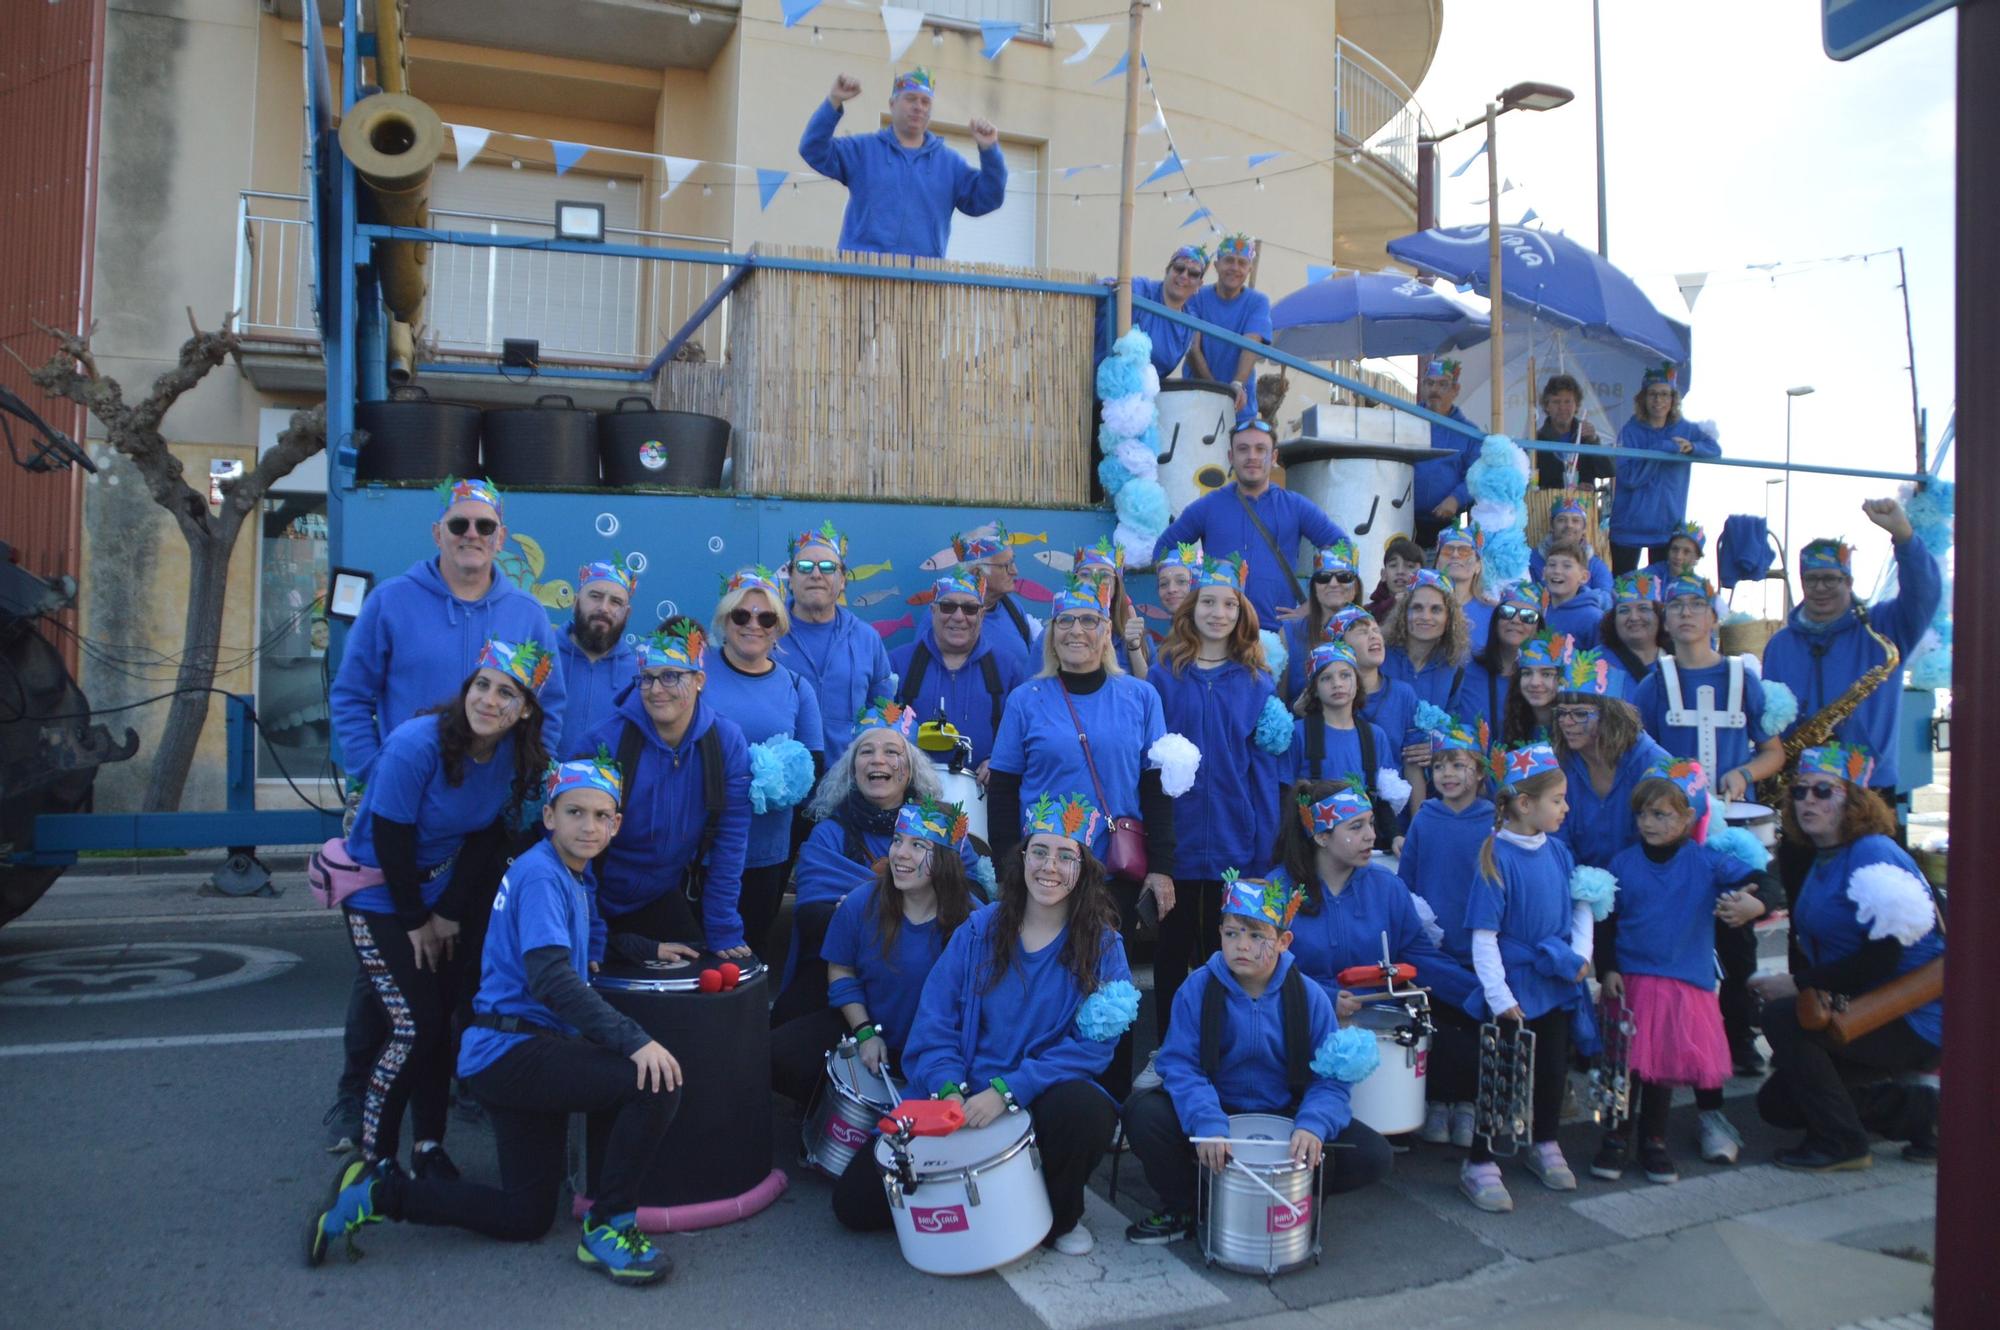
(1731, 140)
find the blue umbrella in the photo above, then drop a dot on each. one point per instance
(1372, 314)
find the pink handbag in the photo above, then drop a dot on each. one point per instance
(333, 875)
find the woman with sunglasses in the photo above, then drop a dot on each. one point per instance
(1864, 917)
(778, 713)
(1634, 633)
(1178, 285)
(1605, 754)
(1489, 675)
(1458, 558)
(1428, 640)
(1336, 584)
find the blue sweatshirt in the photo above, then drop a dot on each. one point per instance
(1019, 638)
(1733, 748)
(1393, 707)
(1439, 861)
(407, 784)
(961, 693)
(1441, 478)
(1218, 521)
(846, 664)
(412, 646)
(825, 873)
(1248, 315)
(1530, 909)
(1653, 496)
(889, 984)
(1600, 571)
(540, 904)
(1348, 928)
(765, 706)
(1598, 827)
(1251, 1059)
(1170, 340)
(1228, 820)
(1478, 620)
(1038, 743)
(1827, 927)
(664, 811)
(1666, 912)
(1482, 695)
(1434, 683)
(1819, 662)
(594, 685)
(1581, 616)
(1343, 753)
(900, 200)
(1022, 1028)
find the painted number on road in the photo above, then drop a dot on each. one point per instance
(78, 975)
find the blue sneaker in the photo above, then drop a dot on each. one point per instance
(351, 1205)
(619, 1249)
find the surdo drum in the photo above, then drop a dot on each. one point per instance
(1260, 1214)
(969, 1201)
(842, 1121)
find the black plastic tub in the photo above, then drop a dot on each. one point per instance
(681, 449)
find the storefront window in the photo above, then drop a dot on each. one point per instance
(291, 662)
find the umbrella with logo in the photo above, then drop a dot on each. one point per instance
(1354, 315)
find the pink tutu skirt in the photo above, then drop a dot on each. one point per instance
(1677, 1034)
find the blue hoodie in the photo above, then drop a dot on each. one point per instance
(1482, 695)
(900, 200)
(1218, 521)
(407, 784)
(1733, 748)
(1827, 927)
(888, 985)
(1598, 827)
(1347, 930)
(1393, 707)
(1021, 639)
(961, 693)
(1819, 662)
(1251, 1061)
(594, 685)
(826, 873)
(1530, 910)
(1666, 912)
(1581, 616)
(1600, 572)
(1439, 861)
(765, 706)
(1022, 1028)
(411, 647)
(1653, 496)
(1229, 819)
(1441, 478)
(847, 665)
(664, 811)
(1434, 683)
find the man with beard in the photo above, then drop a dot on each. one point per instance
(1441, 491)
(598, 663)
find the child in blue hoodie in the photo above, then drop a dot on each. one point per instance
(1250, 1035)
(1652, 496)
(1570, 605)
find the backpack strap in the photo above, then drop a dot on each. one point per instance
(1298, 1033)
(1457, 678)
(913, 678)
(1364, 733)
(1020, 619)
(631, 743)
(989, 671)
(1214, 1017)
(714, 793)
(1316, 747)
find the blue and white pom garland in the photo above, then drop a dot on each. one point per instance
(1109, 1012)
(1781, 706)
(1498, 481)
(1742, 847)
(1931, 511)
(1127, 383)
(1348, 1055)
(1595, 888)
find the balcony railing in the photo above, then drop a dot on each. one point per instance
(610, 309)
(1375, 112)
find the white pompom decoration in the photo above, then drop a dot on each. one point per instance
(1892, 901)
(1392, 787)
(1177, 760)
(1138, 459)
(1130, 415)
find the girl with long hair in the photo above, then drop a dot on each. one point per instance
(1529, 711)
(1388, 703)
(1328, 740)
(1605, 753)
(1489, 675)
(1428, 639)
(1173, 582)
(1336, 584)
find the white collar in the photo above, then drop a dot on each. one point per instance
(1534, 842)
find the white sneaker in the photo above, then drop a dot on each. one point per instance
(1149, 1079)
(1076, 1242)
(1462, 1121)
(1437, 1124)
(1546, 1162)
(1721, 1143)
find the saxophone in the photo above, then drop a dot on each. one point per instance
(1829, 718)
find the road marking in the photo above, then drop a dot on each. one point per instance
(1119, 1281)
(1649, 1211)
(130, 972)
(170, 1041)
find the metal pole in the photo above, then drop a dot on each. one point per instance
(1789, 399)
(1496, 418)
(1910, 345)
(1597, 66)
(1129, 166)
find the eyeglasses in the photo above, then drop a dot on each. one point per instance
(1822, 581)
(1244, 937)
(673, 681)
(1824, 791)
(1520, 613)
(1042, 854)
(1687, 605)
(458, 526)
(1345, 579)
(970, 611)
(804, 567)
(1087, 622)
(764, 618)
(1183, 270)
(1581, 715)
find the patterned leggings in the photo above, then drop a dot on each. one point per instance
(414, 1065)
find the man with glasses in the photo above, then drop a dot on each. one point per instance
(952, 671)
(1016, 631)
(597, 662)
(829, 646)
(1231, 303)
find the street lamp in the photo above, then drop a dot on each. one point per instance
(1791, 395)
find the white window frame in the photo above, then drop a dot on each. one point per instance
(1035, 30)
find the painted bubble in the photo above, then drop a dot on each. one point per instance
(607, 524)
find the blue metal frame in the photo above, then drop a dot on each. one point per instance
(519, 375)
(707, 307)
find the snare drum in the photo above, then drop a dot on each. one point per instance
(1260, 1214)
(1757, 819)
(978, 1201)
(1391, 1099)
(851, 1100)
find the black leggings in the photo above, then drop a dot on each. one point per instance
(1551, 1031)
(529, 1094)
(1161, 1145)
(413, 1066)
(1651, 1102)
(1189, 935)
(807, 991)
(798, 1053)
(1451, 1074)
(1812, 1083)
(763, 888)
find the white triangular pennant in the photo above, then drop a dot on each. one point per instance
(1090, 34)
(678, 169)
(1690, 284)
(1158, 124)
(468, 141)
(902, 25)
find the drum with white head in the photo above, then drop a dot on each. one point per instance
(1260, 1214)
(970, 1201)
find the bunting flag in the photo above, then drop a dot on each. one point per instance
(1477, 153)
(567, 154)
(1168, 165)
(902, 25)
(1158, 124)
(469, 141)
(768, 184)
(1318, 272)
(1090, 34)
(1194, 217)
(1463, 288)
(1690, 284)
(996, 35)
(678, 169)
(1257, 159)
(1528, 216)
(798, 9)
(1124, 61)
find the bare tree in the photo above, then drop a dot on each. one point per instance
(133, 429)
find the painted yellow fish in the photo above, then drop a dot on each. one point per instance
(868, 570)
(524, 568)
(1027, 537)
(555, 595)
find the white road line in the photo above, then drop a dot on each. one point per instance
(170, 1041)
(1120, 1281)
(1648, 1211)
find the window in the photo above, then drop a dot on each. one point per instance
(1007, 234)
(1032, 15)
(291, 635)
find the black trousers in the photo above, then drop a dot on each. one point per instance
(1736, 954)
(412, 1067)
(1624, 558)
(1161, 1146)
(1812, 1083)
(798, 1052)
(1073, 1123)
(1189, 935)
(807, 991)
(529, 1094)
(362, 1041)
(1451, 1075)
(763, 889)
(1551, 1031)
(668, 918)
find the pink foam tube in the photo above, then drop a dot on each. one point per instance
(704, 1214)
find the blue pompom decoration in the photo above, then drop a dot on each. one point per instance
(1930, 512)
(781, 773)
(1274, 728)
(1112, 475)
(1135, 346)
(1117, 377)
(1432, 717)
(1742, 847)
(1276, 654)
(1497, 477)
(1781, 707)
(982, 873)
(1595, 888)
(1505, 556)
(1348, 1055)
(1142, 505)
(1109, 1012)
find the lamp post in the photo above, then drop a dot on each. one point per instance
(1791, 395)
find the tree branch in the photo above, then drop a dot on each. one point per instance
(304, 436)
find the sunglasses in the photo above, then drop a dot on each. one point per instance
(804, 566)
(1345, 579)
(1509, 613)
(1821, 790)
(458, 526)
(1581, 715)
(958, 607)
(763, 618)
(1183, 270)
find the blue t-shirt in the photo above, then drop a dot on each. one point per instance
(892, 983)
(1528, 907)
(846, 664)
(541, 903)
(1343, 752)
(1666, 912)
(1038, 742)
(1393, 707)
(764, 706)
(407, 784)
(1434, 683)
(1170, 340)
(1733, 748)
(1248, 315)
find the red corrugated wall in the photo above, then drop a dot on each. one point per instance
(51, 81)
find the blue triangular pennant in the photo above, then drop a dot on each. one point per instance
(1257, 159)
(1528, 216)
(996, 35)
(1318, 272)
(798, 9)
(768, 184)
(1479, 152)
(1168, 166)
(568, 154)
(1463, 287)
(1195, 216)
(1124, 62)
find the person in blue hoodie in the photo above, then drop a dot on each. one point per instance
(1441, 490)
(903, 182)
(1176, 290)
(1570, 605)
(1652, 496)
(952, 671)
(1634, 634)
(1014, 629)
(1429, 640)
(1024, 1009)
(598, 664)
(1569, 524)
(543, 1045)
(827, 645)
(1234, 304)
(1605, 754)
(1489, 675)
(1278, 1050)
(1388, 703)
(664, 737)
(778, 713)
(1684, 550)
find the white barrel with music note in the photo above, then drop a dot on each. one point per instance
(1196, 418)
(1367, 488)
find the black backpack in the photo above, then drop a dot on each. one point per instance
(1297, 1017)
(920, 664)
(714, 791)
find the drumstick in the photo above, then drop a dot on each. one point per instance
(1238, 1140)
(1298, 1212)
